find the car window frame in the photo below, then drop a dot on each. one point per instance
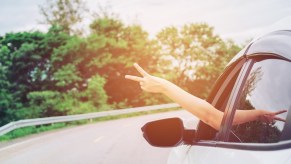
(286, 132)
(226, 124)
(218, 89)
(224, 132)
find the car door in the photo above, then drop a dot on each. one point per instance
(261, 82)
(205, 134)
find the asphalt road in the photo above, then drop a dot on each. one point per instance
(111, 142)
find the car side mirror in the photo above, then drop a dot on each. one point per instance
(167, 133)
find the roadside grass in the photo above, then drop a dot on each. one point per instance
(25, 131)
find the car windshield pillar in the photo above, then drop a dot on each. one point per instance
(223, 134)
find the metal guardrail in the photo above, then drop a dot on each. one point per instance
(49, 120)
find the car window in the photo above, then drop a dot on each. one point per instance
(267, 87)
(219, 97)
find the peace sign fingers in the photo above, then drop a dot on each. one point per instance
(136, 78)
(148, 82)
(279, 118)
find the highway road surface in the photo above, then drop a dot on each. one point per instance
(110, 142)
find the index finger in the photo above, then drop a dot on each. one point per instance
(280, 112)
(140, 70)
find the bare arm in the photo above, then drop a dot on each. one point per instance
(243, 116)
(198, 107)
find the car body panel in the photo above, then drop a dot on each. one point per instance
(274, 45)
(205, 155)
(277, 43)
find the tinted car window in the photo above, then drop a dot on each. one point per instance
(268, 87)
(219, 97)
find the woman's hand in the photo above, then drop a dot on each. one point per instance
(271, 117)
(147, 82)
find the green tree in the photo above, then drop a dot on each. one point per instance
(25, 67)
(6, 98)
(21, 60)
(114, 48)
(197, 54)
(42, 104)
(94, 98)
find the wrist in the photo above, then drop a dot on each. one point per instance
(260, 114)
(165, 86)
(169, 89)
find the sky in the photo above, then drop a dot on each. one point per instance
(239, 20)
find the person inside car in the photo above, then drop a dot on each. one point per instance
(199, 107)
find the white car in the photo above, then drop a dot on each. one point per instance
(259, 77)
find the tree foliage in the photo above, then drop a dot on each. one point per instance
(198, 55)
(56, 73)
(114, 48)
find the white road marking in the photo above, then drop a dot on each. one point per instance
(98, 139)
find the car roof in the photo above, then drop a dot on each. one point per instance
(276, 43)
